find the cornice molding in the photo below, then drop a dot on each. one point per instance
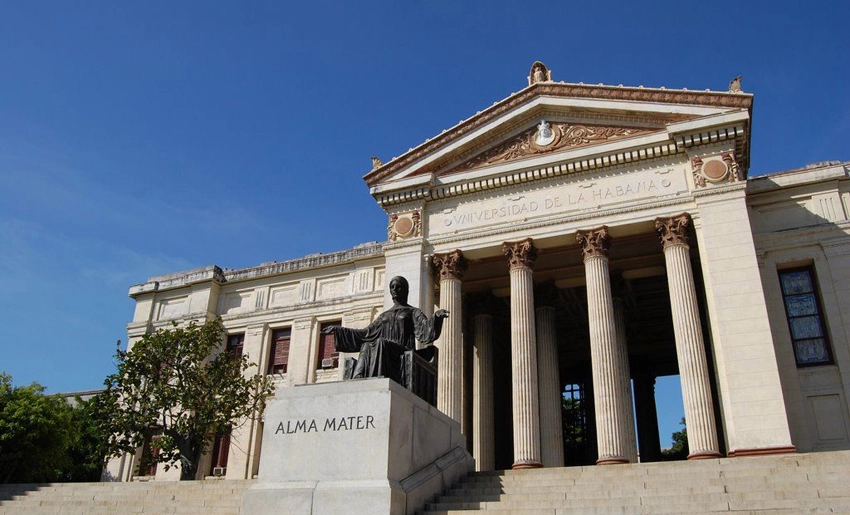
(523, 176)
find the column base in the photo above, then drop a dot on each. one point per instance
(704, 455)
(612, 461)
(520, 465)
(762, 451)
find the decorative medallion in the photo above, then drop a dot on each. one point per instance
(548, 137)
(521, 254)
(715, 169)
(594, 243)
(545, 135)
(404, 226)
(673, 230)
(450, 265)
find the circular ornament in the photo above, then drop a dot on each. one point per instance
(715, 170)
(403, 226)
(545, 135)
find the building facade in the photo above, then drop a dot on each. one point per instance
(586, 240)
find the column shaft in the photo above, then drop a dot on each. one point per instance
(450, 358)
(611, 394)
(483, 446)
(526, 410)
(624, 379)
(551, 424)
(690, 349)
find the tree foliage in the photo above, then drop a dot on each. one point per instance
(35, 433)
(679, 449)
(179, 385)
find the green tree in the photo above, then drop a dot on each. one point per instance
(88, 445)
(178, 384)
(35, 433)
(679, 449)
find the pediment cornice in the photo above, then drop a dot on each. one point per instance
(550, 89)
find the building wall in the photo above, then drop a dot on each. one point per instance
(800, 219)
(797, 218)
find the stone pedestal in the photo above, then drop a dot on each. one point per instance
(365, 446)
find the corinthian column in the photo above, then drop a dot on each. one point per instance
(526, 416)
(549, 380)
(611, 390)
(624, 370)
(450, 266)
(690, 349)
(483, 446)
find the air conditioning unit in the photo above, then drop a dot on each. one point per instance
(327, 363)
(219, 471)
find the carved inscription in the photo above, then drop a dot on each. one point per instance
(312, 425)
(576, 197)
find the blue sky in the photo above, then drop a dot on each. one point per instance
(148, 137)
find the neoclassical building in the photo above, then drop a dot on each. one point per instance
(586, 240)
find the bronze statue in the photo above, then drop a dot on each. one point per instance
(395, 331)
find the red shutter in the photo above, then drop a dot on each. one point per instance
(327, 347)
(220, 451)
(279, 356)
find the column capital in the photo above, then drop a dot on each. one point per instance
(673, 230)
(594, 242)
(521, 254)
(450, 265)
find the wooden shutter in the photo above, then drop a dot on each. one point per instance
(221, 449)
(327, 347)
(279, 355)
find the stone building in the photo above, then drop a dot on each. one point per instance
(586, 240)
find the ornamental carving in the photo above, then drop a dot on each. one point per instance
(557, 136)
(715, 170)
(594, 243)
(404, 226)
(673, 230)
(450, 265)
(521, 254)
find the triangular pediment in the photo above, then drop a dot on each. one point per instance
(547, 123)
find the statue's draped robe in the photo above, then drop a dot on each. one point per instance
(383, 342)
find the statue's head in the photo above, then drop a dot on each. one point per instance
(399, 289)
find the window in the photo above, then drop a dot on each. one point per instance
(235, 343)
(279, 353)
(220, 451)
(805, 317)
(328, 356)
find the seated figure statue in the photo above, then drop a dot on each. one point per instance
(395, 331)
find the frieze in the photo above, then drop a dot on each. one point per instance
(592, 193)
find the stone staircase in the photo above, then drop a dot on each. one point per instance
(214, 497)
(770, 485)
